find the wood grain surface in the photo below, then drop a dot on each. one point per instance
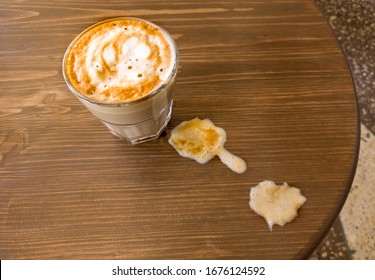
(269, 72)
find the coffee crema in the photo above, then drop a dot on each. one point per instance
(120, 60)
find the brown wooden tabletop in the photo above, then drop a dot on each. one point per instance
(269, 72)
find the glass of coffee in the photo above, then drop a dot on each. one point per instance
(124, 70)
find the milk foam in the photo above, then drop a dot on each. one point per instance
(201, 140)
(121, 60)
(277, 204)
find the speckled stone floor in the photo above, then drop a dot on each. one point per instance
(353, 234)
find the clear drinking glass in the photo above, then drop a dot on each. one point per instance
(140, 120)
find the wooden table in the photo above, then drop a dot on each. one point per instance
(269, 72)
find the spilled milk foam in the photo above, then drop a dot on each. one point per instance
(201, 140)
(277, 204)
(123, 70)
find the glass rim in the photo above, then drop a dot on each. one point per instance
(156, 91)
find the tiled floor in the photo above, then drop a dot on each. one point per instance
(353, 235)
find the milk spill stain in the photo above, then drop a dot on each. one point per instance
(277, 204)
(201, 140)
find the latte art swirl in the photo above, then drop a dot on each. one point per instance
(120, 61)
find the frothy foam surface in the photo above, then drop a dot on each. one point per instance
(277, 204)
(201, 140)
(120, 60)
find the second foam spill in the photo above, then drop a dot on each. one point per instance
(201, 140)
(277, 204)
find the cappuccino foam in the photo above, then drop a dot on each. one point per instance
(120, 60)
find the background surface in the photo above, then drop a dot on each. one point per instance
(353, 235)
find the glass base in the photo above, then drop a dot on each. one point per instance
(142, 132)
